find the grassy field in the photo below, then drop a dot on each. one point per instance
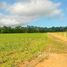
(16, 48)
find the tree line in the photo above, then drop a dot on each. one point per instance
(31, 29)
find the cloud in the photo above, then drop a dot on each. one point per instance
(34, 7)
(14, 20)
(24, 11)
(3, 5)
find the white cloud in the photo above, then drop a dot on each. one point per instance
(14, 20)
(3, 5)
(24, 11)
(34, 7)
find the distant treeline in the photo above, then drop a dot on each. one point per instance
(31, 29)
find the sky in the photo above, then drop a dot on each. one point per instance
(46, 13)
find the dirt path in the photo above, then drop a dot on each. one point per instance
(58, 37)
(54, 60)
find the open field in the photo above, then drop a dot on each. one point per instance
(18, 48)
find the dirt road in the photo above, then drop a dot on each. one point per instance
(54, 60)
(59, 37)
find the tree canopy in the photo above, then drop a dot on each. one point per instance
(31, 29)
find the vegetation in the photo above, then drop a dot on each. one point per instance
(31, 29)
(16, 48)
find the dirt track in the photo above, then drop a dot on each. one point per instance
(59, 37)
(54, 60)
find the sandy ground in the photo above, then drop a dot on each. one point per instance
(54, 60)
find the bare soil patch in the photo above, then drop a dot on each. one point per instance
(54, 60)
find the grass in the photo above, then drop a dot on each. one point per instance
(16, 48)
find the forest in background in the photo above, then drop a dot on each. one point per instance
(31, 29)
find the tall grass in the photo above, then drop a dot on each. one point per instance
(16, 48)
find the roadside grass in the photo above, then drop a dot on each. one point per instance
(16, 48)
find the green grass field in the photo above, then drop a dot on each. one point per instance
(16, 48)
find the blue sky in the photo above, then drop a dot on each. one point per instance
(20, 12)
(48, 22)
